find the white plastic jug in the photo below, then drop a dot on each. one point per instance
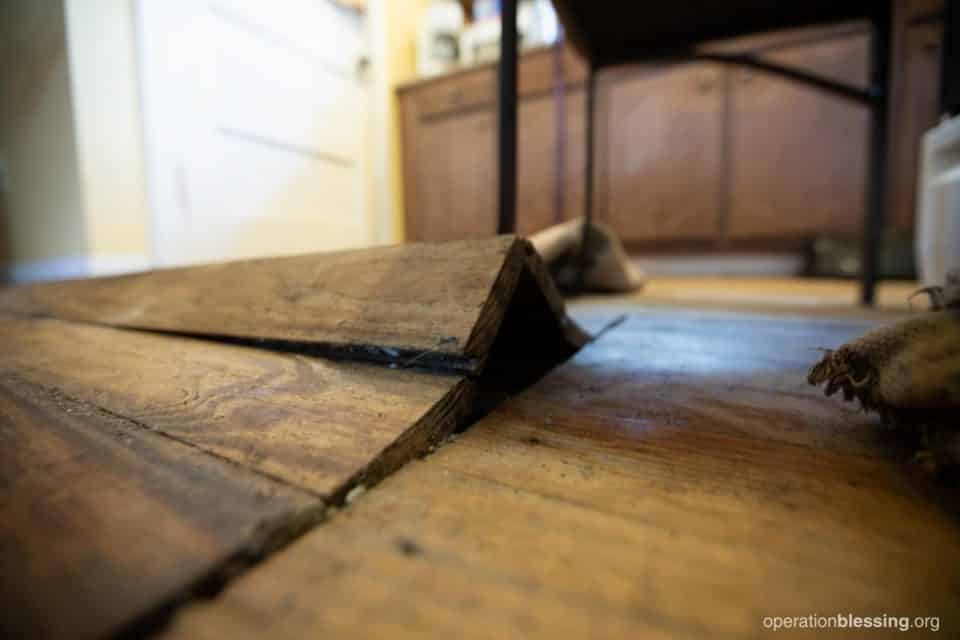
(938, 204)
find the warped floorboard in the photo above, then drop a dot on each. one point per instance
(103, 520)
(132, 406)
(111, 456)
(676, 479)
(309, 422)
(435, 304)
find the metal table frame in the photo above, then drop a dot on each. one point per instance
(876, 97)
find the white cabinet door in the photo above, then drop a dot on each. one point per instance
(255, 126)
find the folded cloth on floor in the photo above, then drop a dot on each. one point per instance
(604, 266)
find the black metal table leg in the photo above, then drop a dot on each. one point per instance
(877, 179)
(589, 125)
(507, 118)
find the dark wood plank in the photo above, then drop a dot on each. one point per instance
(103, 521)
(442, 304)
(320, 425)
(677, 479)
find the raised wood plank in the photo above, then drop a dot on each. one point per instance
(676, 479)
(320, 425)
(439, 303)
(104, 521)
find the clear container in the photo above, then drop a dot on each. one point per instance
(938, 204)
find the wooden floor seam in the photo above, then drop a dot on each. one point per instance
(677, 478)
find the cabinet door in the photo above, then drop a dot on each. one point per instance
(536, 164)
(798, 154)
(453, 177)
(919, 108)
(662, 139)
(545, 196)
(575, 156)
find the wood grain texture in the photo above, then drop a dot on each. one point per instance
(425, 297)
(436, 304)
(99, 417)
(676, 479)
(103, 521)
(316, 424)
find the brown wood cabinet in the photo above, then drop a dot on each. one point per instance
(449, 143)
(452, 182)
(917, 85)
(662, 146)
(695, 155)
(797, 156)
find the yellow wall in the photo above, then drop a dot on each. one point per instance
(394, 25)
(41, 202)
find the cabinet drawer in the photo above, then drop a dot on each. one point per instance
(458, 93)
(478, 87)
